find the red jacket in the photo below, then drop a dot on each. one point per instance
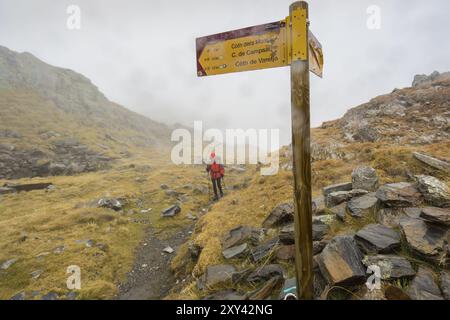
(216, 170)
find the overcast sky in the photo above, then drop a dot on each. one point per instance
(141, 54)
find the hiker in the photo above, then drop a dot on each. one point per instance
(217, 172)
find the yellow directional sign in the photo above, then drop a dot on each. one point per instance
(259, 47)
(253, 48)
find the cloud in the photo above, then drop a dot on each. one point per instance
(142, 54)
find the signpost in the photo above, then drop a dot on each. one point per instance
(278, 44)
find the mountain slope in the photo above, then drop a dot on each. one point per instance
(47, 112)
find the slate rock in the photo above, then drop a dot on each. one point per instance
(240, 235)
(423, 286)
(319, 230)
(363, 206)
(400, 194)
(268, 289)
(7, 264)
(445, 284)
(436, 215)
(365, 178)
(281, 215)
(36, 274)
(340, 262)
(318, 246)
(335, 198)
(395, 293)
(236, 252)
(390, 217)
(346, 186)
(433, 162)
(434, 191)
(376, 238)
(265, 273)
(287, 234)
(226, 295)
(392, 267)
(426, 241)
(216, 275)
(59, 250)
(50, 296)
(286, 253)
(110, 203)
(264, 250)
(171, 211)
(18, 296)
(340, 211)
(318, 205)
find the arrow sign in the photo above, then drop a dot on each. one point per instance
(258, 47)
(252, 48)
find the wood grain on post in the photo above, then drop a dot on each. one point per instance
(301, 150)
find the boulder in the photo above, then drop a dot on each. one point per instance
(432, 162)
(376, 238)
(268, 289)
(236, 252)
(434, 191)
(171, 211)
(363, 206)
(110, 203)
(400, 194)
(286, 253)
(338, 197)
(240, 235)
(318, 246)
(319, 230)
(216, 275)
(445, 284)
(287, 234)
(395, 293)
(340, 262)
(423, 286)
(392, 267)
(265, 273)
(346, 186)
(340, 211)
(227, 295)
(264, 250)
(427, 241)
(318, 205)
(436, 215)
(365, 178)
(280, 215)
(390, 217)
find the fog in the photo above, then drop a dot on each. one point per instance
(141, 54)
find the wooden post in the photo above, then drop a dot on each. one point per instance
(301, 148)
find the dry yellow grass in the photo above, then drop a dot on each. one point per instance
(50, 219)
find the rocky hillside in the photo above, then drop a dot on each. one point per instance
(55, 121)
(381, 177)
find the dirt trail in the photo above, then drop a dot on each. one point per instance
(151, 278)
